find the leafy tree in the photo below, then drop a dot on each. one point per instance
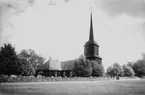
(143, 55)
(97, 69)
(82, 68)
(128, 71)
(139, 68)
(117, 70)
(130, 64)
(26, 68)
(32, 57)
(110, 71)
(24, 53)
(9, 61)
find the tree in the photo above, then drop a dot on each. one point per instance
(32, 57)
(128, 71)
(24, 53)
(139, 68)
(130, 64)
(110, 71)
(143, 55)
(97, 69)
(117, 70)
(26, 68)
(9, 61)
(82, 68)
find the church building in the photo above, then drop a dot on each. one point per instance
(63, 69)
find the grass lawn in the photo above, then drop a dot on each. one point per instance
(120, 87)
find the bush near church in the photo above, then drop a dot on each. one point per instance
(85, 68)
(128, 71)
(97, 69)
(139, 68)
(82, 68)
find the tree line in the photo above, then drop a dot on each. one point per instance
(25, 64)
(130, 69)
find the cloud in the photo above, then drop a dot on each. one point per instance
(131, 13)
(67, 1)
(116, 7)
(122, 26)
(31, 2)
(142, 29)
(8, 8)
(58, 2)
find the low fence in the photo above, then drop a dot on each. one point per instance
(5, 78)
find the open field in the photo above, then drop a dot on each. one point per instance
(115, 87)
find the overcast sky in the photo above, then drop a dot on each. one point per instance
(60, 28)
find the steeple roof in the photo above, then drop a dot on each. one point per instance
(91, 35)
(91, 38)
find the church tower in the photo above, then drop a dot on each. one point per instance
(91, 48)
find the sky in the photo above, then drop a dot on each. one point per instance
(60, 28)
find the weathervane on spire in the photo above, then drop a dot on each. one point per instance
(91, 7)
(91, 3)
(91, 11)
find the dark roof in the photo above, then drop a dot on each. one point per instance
(67, 65)
(44, 66)
(91, 43)
(56, 65)
(91, 35)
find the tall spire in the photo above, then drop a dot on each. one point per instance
(91, 38)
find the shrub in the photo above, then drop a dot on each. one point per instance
(139, 68)
(128, 71)
(97, 69)
(110, 71)
(4, 78)
(82, 68)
